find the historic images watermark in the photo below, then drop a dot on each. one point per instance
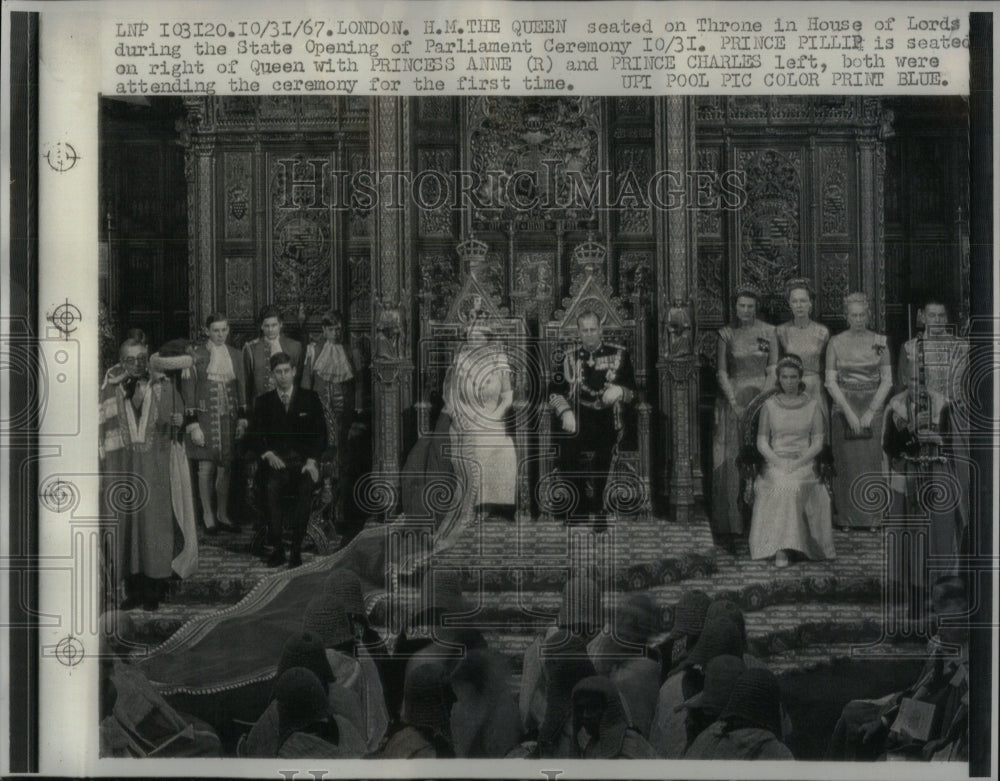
(555, 185)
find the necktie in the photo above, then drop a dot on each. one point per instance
(286, 399)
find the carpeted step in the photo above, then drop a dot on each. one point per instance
(782, 628)
(781, 589)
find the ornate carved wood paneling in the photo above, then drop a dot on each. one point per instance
(928, 182)
(635, 278)
(260, 170)
(300, 248)
(834, 193)
(359, 219)
(435, 191)
(710, 218)
(834, 280)
(633, 108)
(359, 287)
(534, 284)
(435, 109)
(237, 198)
(438, 284)
(710, 108)
(711, 295)
(893, 183)
(770, 231)
(239, 288)
(926, 197)
(551, 137)
(633, 169)
(750, 108)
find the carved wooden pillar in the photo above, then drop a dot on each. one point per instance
(199, 171)
(392, 363)
(677, 254)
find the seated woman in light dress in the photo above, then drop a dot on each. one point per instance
(478, 395)
(791, 509)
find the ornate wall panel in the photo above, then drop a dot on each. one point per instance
(770, 230)
(834, 193)
(237, 200)
(268, 222)
(239, 288)
(534, 284)
(439, 283)
(633, 169)
(435, 110)
(635, 278)
(300, 246)
(359, 287)
(711, 295)
(710, 218)
(552, 137)
(434, 191)
(834, 280)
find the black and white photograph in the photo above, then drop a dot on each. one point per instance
(499, 389)
(624, 428)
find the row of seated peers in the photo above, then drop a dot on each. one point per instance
(627, 690)
(825, 422)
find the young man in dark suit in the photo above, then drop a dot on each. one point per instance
(288, 435)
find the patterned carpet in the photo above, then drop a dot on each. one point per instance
(823, 627)
(807, 615)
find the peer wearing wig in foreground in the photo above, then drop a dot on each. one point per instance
(859, 379)
(139, 419)
(748, 350)
(791, 509)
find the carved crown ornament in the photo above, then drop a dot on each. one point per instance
(589, 290)
(474, 301)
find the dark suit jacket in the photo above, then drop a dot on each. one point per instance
(298, 433)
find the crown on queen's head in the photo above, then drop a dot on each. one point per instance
(589, 257)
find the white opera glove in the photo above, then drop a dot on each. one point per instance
(612, 394)
(197, 435)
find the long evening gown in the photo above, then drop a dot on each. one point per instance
(748, 353)
(858, 361)
(791, 511)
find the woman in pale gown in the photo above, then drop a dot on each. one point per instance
(478, 395)
(859, 378)
(748, 350)
(804, 337)
(791, 509)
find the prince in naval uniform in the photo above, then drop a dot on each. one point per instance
(589, 400)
